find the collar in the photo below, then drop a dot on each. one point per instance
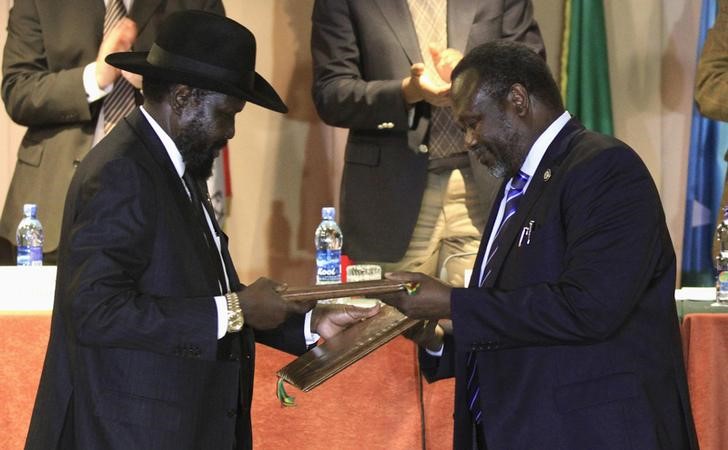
(538, 149)
(168, 143)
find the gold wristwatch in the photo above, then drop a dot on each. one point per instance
(235, 314)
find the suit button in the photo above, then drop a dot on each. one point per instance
(422, 148)
(231, 412)
(389, 125)
(76, 162)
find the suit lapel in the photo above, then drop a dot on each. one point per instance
(397, 15)
(549, 164)
(460, 14)
(144, 131)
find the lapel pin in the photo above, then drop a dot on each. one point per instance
(547, 175)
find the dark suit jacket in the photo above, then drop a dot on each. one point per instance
(47, 48)
(132, 358)
(576, 333)
(362, 49)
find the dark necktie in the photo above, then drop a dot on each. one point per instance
(196, 198)
(120, 101)
(513, 196)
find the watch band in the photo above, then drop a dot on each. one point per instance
(235, 313)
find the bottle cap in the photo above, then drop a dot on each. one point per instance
(30, 209)
(328, 213)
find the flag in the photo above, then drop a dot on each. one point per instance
(706, 172)
(585, 66)
(218, 185)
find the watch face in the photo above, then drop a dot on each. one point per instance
(235, 320)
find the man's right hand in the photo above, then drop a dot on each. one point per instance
(418, 86)
(119, 39)
(264, 308)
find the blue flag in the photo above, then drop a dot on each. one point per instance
(706, 175)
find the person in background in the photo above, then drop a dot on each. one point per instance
(56, 83)
(411, 198)
(567, 336)
(153, 336)
(711, 86)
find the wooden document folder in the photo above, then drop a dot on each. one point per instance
(326, 360)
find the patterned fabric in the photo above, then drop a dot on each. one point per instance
(513, 197)
(120, 100)
(430, 20)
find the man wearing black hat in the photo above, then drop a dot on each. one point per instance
(152, 336)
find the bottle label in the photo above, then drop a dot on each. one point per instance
(723, 285)
(328, 266)
(30, 256)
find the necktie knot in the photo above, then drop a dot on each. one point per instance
(518, 182)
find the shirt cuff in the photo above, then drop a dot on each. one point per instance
(222, 320)
(437, 353)
(93, 91)
(310, 336)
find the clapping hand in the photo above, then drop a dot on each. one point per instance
(119, 39)
(445, 60)
(419, 86)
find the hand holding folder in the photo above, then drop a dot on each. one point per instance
(324, 361)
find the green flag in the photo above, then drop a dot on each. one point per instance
(585, 66)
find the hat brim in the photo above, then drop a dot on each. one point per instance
(262, 93)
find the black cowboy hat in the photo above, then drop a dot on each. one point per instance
(207, 51)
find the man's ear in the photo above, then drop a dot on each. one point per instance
(518, 96)
(179, 97)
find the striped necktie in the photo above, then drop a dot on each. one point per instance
(430, 21)
(120, 101)
(513, 197)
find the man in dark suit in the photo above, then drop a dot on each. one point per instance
(54, 82)
(567, 336)
(410, 196)
(152, 335)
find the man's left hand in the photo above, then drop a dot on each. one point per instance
(328, 320)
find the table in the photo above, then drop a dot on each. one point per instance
(705, 345)
(372, 404)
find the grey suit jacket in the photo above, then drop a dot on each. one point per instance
(47, 48)
(362, 49)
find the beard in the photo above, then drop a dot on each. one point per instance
(502, 155)
(197, 153)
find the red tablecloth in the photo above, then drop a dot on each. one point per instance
(373, 404)
(705, 345)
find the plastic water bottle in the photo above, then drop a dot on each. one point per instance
(721, 262)
(328, 240)
(29, 238)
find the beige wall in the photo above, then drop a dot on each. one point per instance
(286, 167)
